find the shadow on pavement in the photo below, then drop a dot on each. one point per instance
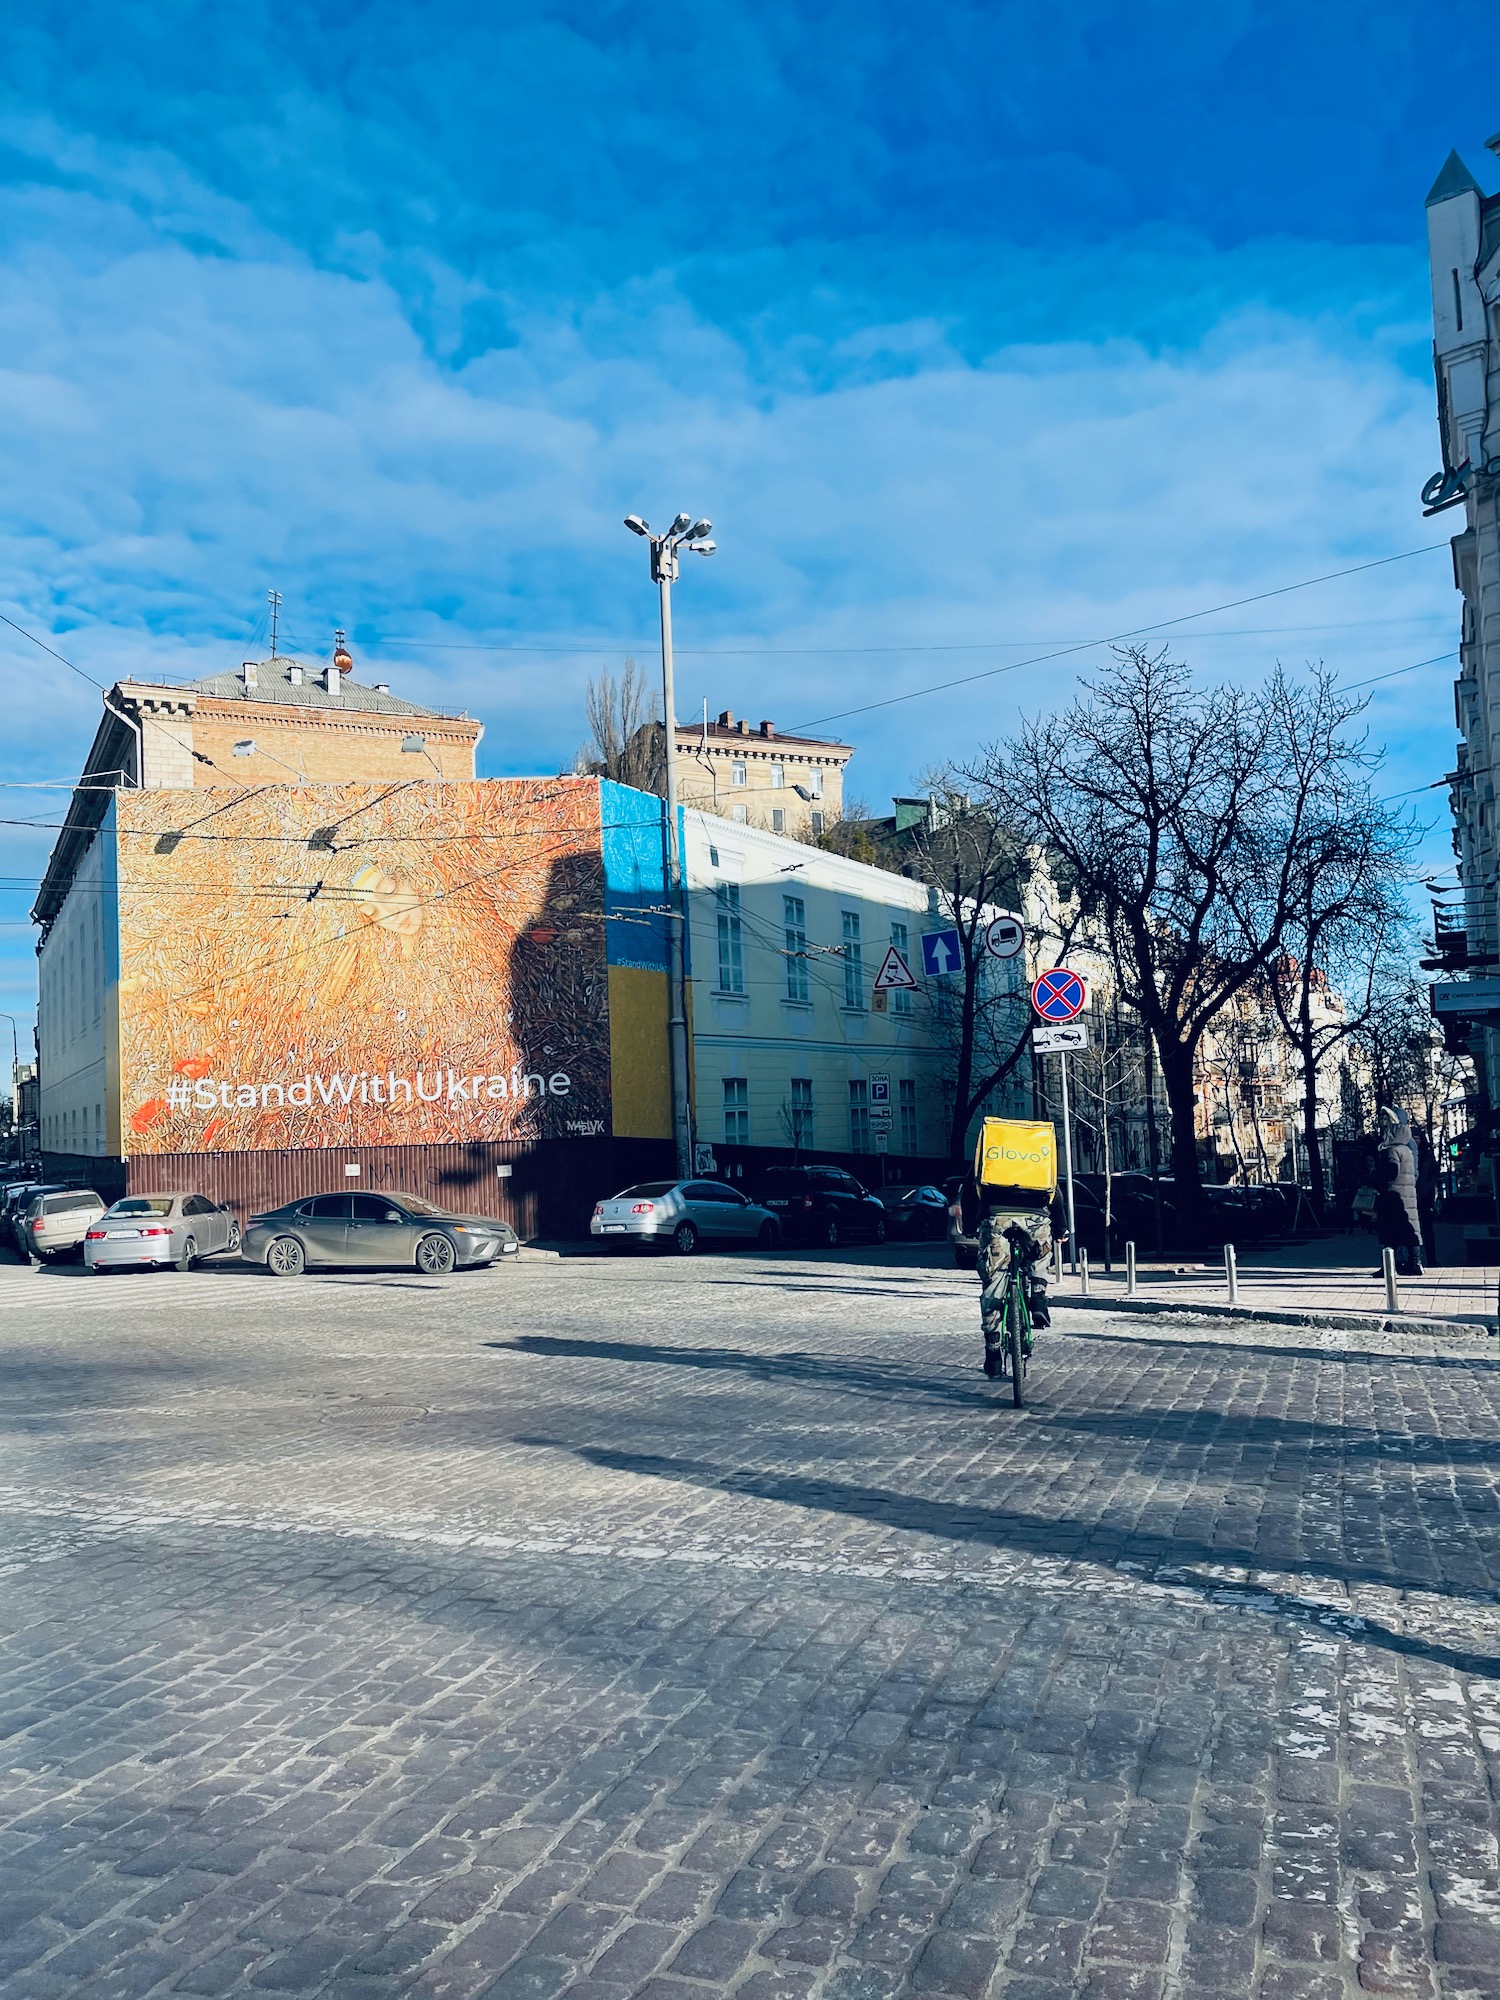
(1336, 1355)
(791, 1366)
(1162, 1558)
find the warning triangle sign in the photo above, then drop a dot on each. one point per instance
(894, 973)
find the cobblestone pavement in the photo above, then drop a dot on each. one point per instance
(678, 1629)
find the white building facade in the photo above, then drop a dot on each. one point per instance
(1463, 228)
(794, 1050)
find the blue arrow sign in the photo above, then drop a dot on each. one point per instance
(941, 953)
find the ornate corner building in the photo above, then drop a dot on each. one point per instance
(1463, 231)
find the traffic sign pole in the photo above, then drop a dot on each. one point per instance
(1062, 1060)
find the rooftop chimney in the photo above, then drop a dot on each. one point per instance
(294, 676)
(726, 718)
(768, 729)
(332, 682)
(248, 670)
(743, 727)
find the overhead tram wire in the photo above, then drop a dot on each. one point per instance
(1114, 639)
(592, 649)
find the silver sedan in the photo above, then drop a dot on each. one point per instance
(174, 1229)
(684, 1213)
(388, 1231)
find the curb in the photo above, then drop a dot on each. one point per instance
(529, 1254)
(1337, 1322)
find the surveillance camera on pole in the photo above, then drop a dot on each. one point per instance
(687, 533)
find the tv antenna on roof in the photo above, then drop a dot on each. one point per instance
(274, 598)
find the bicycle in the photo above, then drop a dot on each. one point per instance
(1016, 1351)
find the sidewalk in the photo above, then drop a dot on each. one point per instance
(1328, 1281)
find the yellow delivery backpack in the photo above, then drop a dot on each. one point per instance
(1013, 1153)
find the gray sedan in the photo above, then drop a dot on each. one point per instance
(684, 1213)
(174, 1229)
(388, 1231)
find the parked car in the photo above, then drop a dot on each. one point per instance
(19, 1203)
(390, 1232)
(54, 1225)
(918, 1213)
(684, 1213)
(823, 1205)
(176, 1229)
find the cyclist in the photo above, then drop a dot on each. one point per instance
(1009, 1219)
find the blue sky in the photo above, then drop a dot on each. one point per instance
(988, 327)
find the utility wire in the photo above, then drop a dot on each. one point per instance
(1115, 639)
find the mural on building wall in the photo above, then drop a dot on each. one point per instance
(362, 965)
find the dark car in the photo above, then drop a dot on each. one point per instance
(393, 1231)
(918, 1213)
(823, 1205)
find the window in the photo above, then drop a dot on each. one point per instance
(736, 1111)
(815, 781)
(737, 774)
(900, 1001)
(778, 819)
(854, 961)
(739, 815)
(731, 940)
(817, 822)
(802, 1111)
(371, 1208)
(329, 1208)
(859, 1115)
(778, 777)
(794, 917)
(906, 1092)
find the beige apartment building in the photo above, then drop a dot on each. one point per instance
(751, 776)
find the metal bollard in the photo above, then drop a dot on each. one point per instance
(1130, 1270)
(1388, 1271)
(1083, 1272)
(1057, 1264)
(1231, 1274)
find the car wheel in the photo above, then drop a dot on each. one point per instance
(965, 1260)
(831, 1232)
(436, 1256)
(769, 1236)
(234, 1238)
(684, 1239)
(189, 1255)
(880, 1230)
(285, 1257)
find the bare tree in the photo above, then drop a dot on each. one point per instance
(976, 863)
(627, 741)
(1403, 1051)
(1182, 812)
(1345, 920)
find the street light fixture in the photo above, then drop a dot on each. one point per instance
(684, 532)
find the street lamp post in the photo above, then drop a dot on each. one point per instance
(684, 532)
(15, 1087)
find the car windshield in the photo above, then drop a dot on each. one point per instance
(647, 1191)
(418, 1206)
(143, 1204)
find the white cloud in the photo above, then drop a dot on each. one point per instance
(193, 412)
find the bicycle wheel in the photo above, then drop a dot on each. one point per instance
(1014, 1310)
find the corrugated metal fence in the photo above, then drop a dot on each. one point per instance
(550, 1190)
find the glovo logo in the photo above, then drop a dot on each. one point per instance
(1039, 1158)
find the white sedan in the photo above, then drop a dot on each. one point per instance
(145, 1229)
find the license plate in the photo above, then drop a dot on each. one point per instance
(115, 1234)
(614, 1229)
